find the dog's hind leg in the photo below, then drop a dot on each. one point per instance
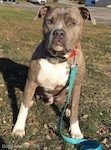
(19, 128)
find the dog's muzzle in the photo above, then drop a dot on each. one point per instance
(57, 47)
(59, 33)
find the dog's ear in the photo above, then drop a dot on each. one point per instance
(87, 15)
(43, 11)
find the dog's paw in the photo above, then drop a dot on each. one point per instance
(75, 131)
(18, 132)
(77, 135)
(68, 112)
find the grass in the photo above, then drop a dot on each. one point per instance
(19, 36)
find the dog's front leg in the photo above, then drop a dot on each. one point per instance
(19, 128)
(74, 123)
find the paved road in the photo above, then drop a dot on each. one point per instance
(102, 14)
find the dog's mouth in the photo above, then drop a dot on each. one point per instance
(56, 53)
(57, 49)
(58, 46)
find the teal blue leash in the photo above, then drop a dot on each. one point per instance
(84, 144)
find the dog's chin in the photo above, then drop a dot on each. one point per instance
(55, 53)
(56, 56)
(58, 47)
(57, 50)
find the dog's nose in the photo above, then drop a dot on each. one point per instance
(59, 33)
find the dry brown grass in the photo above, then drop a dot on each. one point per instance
(19, 36)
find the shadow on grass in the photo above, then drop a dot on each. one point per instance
(3, 145)
(59, 113)
(14, 75)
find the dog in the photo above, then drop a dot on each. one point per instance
(50, 65)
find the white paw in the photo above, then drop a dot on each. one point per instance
(68, 112)
(76, 135)
(18, 132)
(19, 128)
(75, 131)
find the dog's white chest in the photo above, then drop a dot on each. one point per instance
(52, 75)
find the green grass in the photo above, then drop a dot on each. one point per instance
(19, 36)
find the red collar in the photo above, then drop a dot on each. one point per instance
(66, 56)
(73, 52)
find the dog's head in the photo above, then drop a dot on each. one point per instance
(62, 27)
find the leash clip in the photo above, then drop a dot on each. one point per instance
(75, 62)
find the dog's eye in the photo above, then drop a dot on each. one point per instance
(49, 21)
(72, 23)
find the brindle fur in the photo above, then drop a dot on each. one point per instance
(71, 21)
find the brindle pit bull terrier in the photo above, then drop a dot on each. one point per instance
(50, 64)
